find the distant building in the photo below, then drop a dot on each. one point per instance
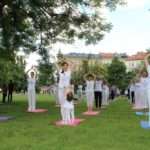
(135, 61)
(131, 62)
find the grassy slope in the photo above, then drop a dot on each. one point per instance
(116, 128)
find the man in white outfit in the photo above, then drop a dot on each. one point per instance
(64, 82)
(31, 91)
(147, 63)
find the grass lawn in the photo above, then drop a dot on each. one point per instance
(116, 128)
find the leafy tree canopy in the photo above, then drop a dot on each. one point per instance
(30, 25)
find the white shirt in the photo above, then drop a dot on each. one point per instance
(68, 105)
(90, 85)
(31, 83)
(98, 85)
(143, 82)
(148, 70)
(64, 79)
(132, 88)
(80, 87)
(105, 88)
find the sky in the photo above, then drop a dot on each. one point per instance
(130, 32)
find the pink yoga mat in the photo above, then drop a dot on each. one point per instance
(91, 113)
(73, 123)
(38, 111)
(137, 108)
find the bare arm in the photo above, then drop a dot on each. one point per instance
(146, 60)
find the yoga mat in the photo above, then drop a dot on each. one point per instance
(145, 124)
(38, 111)
(140, 113)
(73, 123)
(5, 118)
(91, 113)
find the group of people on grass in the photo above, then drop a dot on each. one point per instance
(139, 88)
(95, 89)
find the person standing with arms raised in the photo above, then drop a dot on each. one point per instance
(31, 89)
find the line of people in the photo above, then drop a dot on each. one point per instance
(95, 89)
(139, 89)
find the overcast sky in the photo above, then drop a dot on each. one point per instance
(130, 32)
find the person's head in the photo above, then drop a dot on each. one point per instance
(65, 66)
(144, 74)
(98, 78)
(69, 96)
(32, 74)
(104, 82)
(90, 77)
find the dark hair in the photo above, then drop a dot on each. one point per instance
(32, 73)
(70, 97)
(62, 71)
(90, 76)
(64, 63)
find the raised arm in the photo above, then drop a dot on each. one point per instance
(84, 77)
(146, 60)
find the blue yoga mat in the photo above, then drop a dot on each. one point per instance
(140, 113)
(145, 124)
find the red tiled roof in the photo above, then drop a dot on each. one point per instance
(107, 55)
(138, 56)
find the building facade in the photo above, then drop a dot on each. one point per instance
(131, 62)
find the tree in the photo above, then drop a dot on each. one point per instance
(31, 24)
(96, 68)
(117, 73)
(13, 71)
(45, 76)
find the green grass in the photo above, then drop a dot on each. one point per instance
(116, 128)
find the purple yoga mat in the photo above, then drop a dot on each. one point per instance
(5, 118)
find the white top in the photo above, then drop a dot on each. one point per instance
(90, 85)
(138, 86)
(105, 88)
(98, 85)
(148, 70)
(132, 87)
(68, 105)
(64, 79)
(143, 82)
(31, 83)
(80, 87)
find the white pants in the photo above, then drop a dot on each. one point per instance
(105, 98)
(148, 96)
(31, 99)
(61, 95)
(67, 115)
(90, 98)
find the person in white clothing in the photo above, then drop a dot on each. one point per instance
(90, 91)
(105, 100)
(147, 63)
(64, 81)
(68, 109)
(31, 90)
(63, 84)
(138, 94)
(143, 81)
(98, 92)
(80, 92)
